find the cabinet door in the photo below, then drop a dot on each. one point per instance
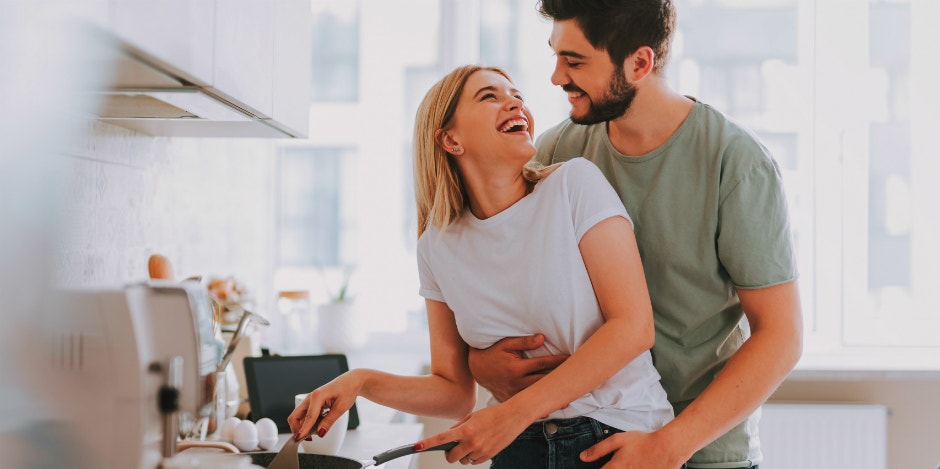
(292, 65)
(244, 53)
(178, 33)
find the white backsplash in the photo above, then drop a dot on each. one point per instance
(205, 203)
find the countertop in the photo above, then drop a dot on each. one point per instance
(366, 441)
(369, 439)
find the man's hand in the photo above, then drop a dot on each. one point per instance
(635, 450)
(503, 369)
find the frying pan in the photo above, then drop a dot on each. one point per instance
(322, 461)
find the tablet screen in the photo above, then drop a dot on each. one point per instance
(273, 381)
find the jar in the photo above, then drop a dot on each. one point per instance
(296, 318)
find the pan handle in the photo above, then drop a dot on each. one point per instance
(408, 449)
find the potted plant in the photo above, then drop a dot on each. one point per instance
(337, 327)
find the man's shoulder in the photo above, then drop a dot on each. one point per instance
(738, 144)
(564, 141)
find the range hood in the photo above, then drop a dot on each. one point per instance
(152, 97)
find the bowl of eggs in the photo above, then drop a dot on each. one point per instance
(249, 436)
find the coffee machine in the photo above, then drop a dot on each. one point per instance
(137, 359)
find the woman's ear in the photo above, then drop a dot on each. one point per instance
(447, 142)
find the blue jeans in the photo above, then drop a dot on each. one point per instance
(554, 444)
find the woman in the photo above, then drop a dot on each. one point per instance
(500, 254)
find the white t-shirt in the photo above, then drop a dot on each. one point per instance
(520, 272)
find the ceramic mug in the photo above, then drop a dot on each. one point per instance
(332, 441)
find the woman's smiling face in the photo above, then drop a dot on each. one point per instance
(492, 120)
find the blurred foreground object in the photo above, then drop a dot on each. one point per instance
(48, 66)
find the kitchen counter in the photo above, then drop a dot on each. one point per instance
(367, 440)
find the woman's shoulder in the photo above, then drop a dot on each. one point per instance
(581, 168)
(573, 173)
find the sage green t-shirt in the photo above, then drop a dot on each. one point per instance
(710, 217)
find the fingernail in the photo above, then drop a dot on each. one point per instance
(321, 432)
(419, 447)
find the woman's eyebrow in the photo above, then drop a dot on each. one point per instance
(485, 88)
(493, 89)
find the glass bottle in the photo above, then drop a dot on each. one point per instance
(296, 315)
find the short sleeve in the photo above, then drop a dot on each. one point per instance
(428, 285)
(754, 239)
(591, 196)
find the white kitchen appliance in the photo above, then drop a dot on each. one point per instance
(123, 351)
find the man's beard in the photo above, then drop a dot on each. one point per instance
(615, 103)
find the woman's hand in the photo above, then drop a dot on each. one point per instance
(480, 435)
(338, 395)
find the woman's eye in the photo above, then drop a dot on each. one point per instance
(487, 96)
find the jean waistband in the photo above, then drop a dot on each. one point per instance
(563, 428)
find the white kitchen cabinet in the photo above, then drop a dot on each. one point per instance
(293, 38)
(178, 33)
(244, 53)
(242, 67)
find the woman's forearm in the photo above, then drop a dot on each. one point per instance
(614, 345)
(429, 395)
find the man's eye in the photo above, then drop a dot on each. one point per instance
(574, 64)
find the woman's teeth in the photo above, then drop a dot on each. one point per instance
(514, 125)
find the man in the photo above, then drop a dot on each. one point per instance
(711, 222)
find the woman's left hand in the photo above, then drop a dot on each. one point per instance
(480, 435)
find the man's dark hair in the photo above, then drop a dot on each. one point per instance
(619, 26)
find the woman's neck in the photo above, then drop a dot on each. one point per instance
(491, 194)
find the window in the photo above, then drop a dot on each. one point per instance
(309, 231)
(840, 92)
(843, 93)
(335, 58)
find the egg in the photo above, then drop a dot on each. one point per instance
(228, 428)
(267, 433)
(245, 436)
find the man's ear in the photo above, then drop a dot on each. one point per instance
(639, 64)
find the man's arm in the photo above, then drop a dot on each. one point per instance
(503, 370)
(749, 377)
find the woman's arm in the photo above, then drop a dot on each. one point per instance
(613, 263)
(449, 391)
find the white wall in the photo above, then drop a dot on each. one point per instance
(204, 203)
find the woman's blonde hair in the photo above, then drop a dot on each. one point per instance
(439, 188)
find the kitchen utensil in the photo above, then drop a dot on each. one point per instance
(287, 457)
(247, 317)
(322, 461)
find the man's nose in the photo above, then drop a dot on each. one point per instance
(559, 77)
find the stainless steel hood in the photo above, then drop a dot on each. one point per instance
(152, 97)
